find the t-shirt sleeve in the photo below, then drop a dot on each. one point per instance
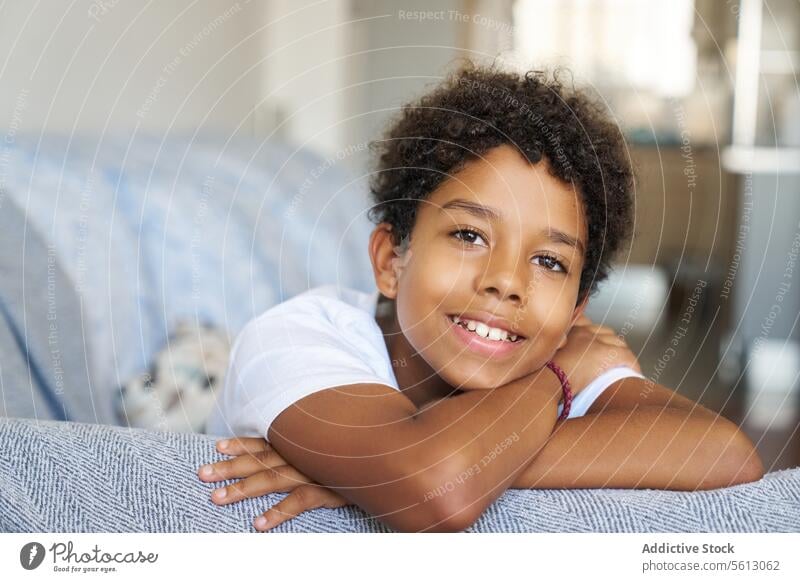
(587, 396)
(285, 355)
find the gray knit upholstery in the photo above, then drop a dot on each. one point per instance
(65, 477)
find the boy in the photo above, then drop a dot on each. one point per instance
(500, 200)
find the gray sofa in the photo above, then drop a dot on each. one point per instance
(80, 310)
(66, 476)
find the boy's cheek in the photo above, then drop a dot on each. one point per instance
(563, 341)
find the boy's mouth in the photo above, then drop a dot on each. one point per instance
(489, 333)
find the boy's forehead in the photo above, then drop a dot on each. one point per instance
(509, 191)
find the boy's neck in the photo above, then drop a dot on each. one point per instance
(416, 379)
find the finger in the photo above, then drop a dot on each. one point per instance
(612, 340)
(278, 479)
(304, 498)
(242, 445)
(624, 358)
(251, 446)
(601, 330)
(240, 467)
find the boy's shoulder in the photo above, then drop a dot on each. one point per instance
(322, 321)
(331, 304)
(337, 297)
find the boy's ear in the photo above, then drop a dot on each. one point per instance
(384, 260)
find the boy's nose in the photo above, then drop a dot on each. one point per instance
(505, 278)
(503, 293)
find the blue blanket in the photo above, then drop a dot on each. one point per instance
(155, 230)
(44, 366)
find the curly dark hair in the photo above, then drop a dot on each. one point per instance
(477, 108)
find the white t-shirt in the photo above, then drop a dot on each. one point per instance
(321, 338)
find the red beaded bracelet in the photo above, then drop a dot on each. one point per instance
(565, 388)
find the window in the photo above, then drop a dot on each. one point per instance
(643, 45)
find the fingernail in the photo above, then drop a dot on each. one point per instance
(220, 493)
(223, 444)
(206, 470)
(261, 522)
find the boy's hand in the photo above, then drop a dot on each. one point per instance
(263, 471)
(591, 350)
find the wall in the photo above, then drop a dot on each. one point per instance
(120, 65)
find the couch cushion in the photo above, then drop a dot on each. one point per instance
(65, 477)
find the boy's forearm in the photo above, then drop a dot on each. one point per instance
(485, 438)
(647, 447)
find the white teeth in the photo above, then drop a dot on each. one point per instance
(483, 330)
(498, 334)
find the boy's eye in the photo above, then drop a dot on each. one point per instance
(550, 262)
(471, 235)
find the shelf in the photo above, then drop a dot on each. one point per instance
(761, 160)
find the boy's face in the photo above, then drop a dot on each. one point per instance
(522, 266)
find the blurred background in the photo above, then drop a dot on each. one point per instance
(203, 160)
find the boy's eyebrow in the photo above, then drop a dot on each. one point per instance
(489, 213)
(473, 208)
(559, 236)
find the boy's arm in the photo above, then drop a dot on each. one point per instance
(638, 434)
(433, 470)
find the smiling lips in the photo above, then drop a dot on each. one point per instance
(485, 340)
(485, 329)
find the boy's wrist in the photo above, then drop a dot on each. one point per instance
(545, 382)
